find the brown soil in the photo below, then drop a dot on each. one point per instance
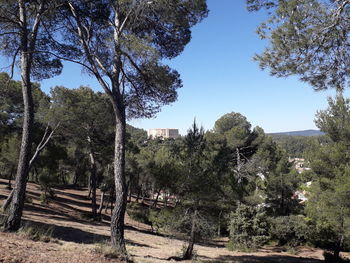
(78, 237)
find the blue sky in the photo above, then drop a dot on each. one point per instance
(219, 76)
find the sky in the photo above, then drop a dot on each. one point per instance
(220, 76)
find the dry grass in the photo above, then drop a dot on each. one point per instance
(79, 237)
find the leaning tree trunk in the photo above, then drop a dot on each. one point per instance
(7, 202)
(14, 215)
(117, 218)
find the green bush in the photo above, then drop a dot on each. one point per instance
(248, 228)
(138, 212)
(46, 181)
(291, 230)
(161, 219)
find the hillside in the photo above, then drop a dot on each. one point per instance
(298, 133)
(76, 238)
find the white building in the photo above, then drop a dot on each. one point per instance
(164, 133)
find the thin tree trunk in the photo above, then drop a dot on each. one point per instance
(101, 204)
(189, 251)
(10, 178)
(13, 220)
(219, 223)
(110, 200)
(156, 201)
(139, 189)
(89, 186)
(75, 178)
(93, 179)
(7, 202)
(129, 193)
(337, 250)
(117, 218)
(166, 196)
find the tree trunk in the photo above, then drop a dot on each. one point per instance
(13, 220)
(337, 249)
(93, 179)
(189, 251)
(129, 193)
(117, 218)
(219, 223)
(139, 189)
(156, 201)
(89, 186)
(7, 202)
(75, 178)
(101, 204)
(110, 200)
(10, 178)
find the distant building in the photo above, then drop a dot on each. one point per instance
(164, 133)
(299, 164)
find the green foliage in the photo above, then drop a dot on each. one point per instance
(307, 38)
(292, 231)
(46, 181)
(328, 206)
(180, 219)
(329, 209)
(248, 228)
(139, 212)
(164, 219)
(335, 120)
(298, 146)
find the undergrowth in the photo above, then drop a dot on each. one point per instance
(105, 249)
(37, 233)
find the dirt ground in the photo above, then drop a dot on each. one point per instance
(77, 237)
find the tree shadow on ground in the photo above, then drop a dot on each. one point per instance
(71, 195)
(263, 259)
(3, 182)
(69, 234)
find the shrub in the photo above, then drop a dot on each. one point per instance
(46, 182)
(160, 219)
(37, 233)
(138, 212)
(291, 230)
(248, 228)
(108, 251)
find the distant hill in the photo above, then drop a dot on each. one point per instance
(298, 133)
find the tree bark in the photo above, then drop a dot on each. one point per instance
(156, 201)
(189, 251)
(93, 178)
(10, 178)
(101, 204)
(13, 220)
(7, 202)
(117, 218)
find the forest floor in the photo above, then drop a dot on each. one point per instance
(77, 239)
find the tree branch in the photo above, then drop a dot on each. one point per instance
(42, 143)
